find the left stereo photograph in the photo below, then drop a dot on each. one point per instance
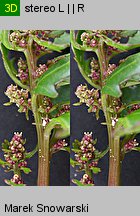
(34, 107)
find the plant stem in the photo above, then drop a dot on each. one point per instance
(114, 142)
(88, 171)
(43, 140)
(114, 163)
(44, 163)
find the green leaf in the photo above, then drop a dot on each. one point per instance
(77, 43)
(123, 47)
(8, 64)
(7, 104)
(110, 42)
(84, 65)
(77, 104)
(128, 33)
(56, 33)
(78, 183)
(128, 125)
(131, 95)
(103, 153)
(95, 170)
(3, 163)
(136, 149)
(76, 150)
(76, 144)
(5, 144)
(6, 150)
(73, 163)
(67, 149)
(26, 170)
(12, 183)
(5, 41)
(125, 72)
(59, 43)
(61, 125)
(84, 159)
(63, 40)
(135, 39)
(32, 153)
(63, 95)
(57, 73)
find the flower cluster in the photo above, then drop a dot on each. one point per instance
(46, 106)
(43, 35)
(44, 110)
(90, 97)
(20, 97)
(15, 151)
(59, 145)
(40, 70)
(89, 39)
(14, 154)
(86, 180)
(48, 110)
(133, 108)
(95, 70)
(86, 158)
(86, 153)
(37, 49)
(115, 35)
(111, 68)
(23, 72)
(16, 179)
(130, 145)
(19, 38)
(64, 108)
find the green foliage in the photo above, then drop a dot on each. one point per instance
(55, 75)
(129, 69)
(84, 65)
(9, 66)
(59, 43)
(26, 170)
(133, 41)
(61, 125)
(63, 95)
(119, 90)
(128, 125)
(9, 182)
(6, 42)
(96, 170)
(78, 183)
(3, 163)
(128, 33)
(52, 85)
(131, 95)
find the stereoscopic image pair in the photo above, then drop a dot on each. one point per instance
(69, 107)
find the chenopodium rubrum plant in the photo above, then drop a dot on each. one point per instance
(86, 159)
(42, 88)
(114, 88)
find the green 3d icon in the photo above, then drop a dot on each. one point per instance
(10, 8)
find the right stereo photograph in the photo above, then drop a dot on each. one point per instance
(105, 108)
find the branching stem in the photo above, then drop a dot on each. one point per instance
(114, 142)
(43, 138)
